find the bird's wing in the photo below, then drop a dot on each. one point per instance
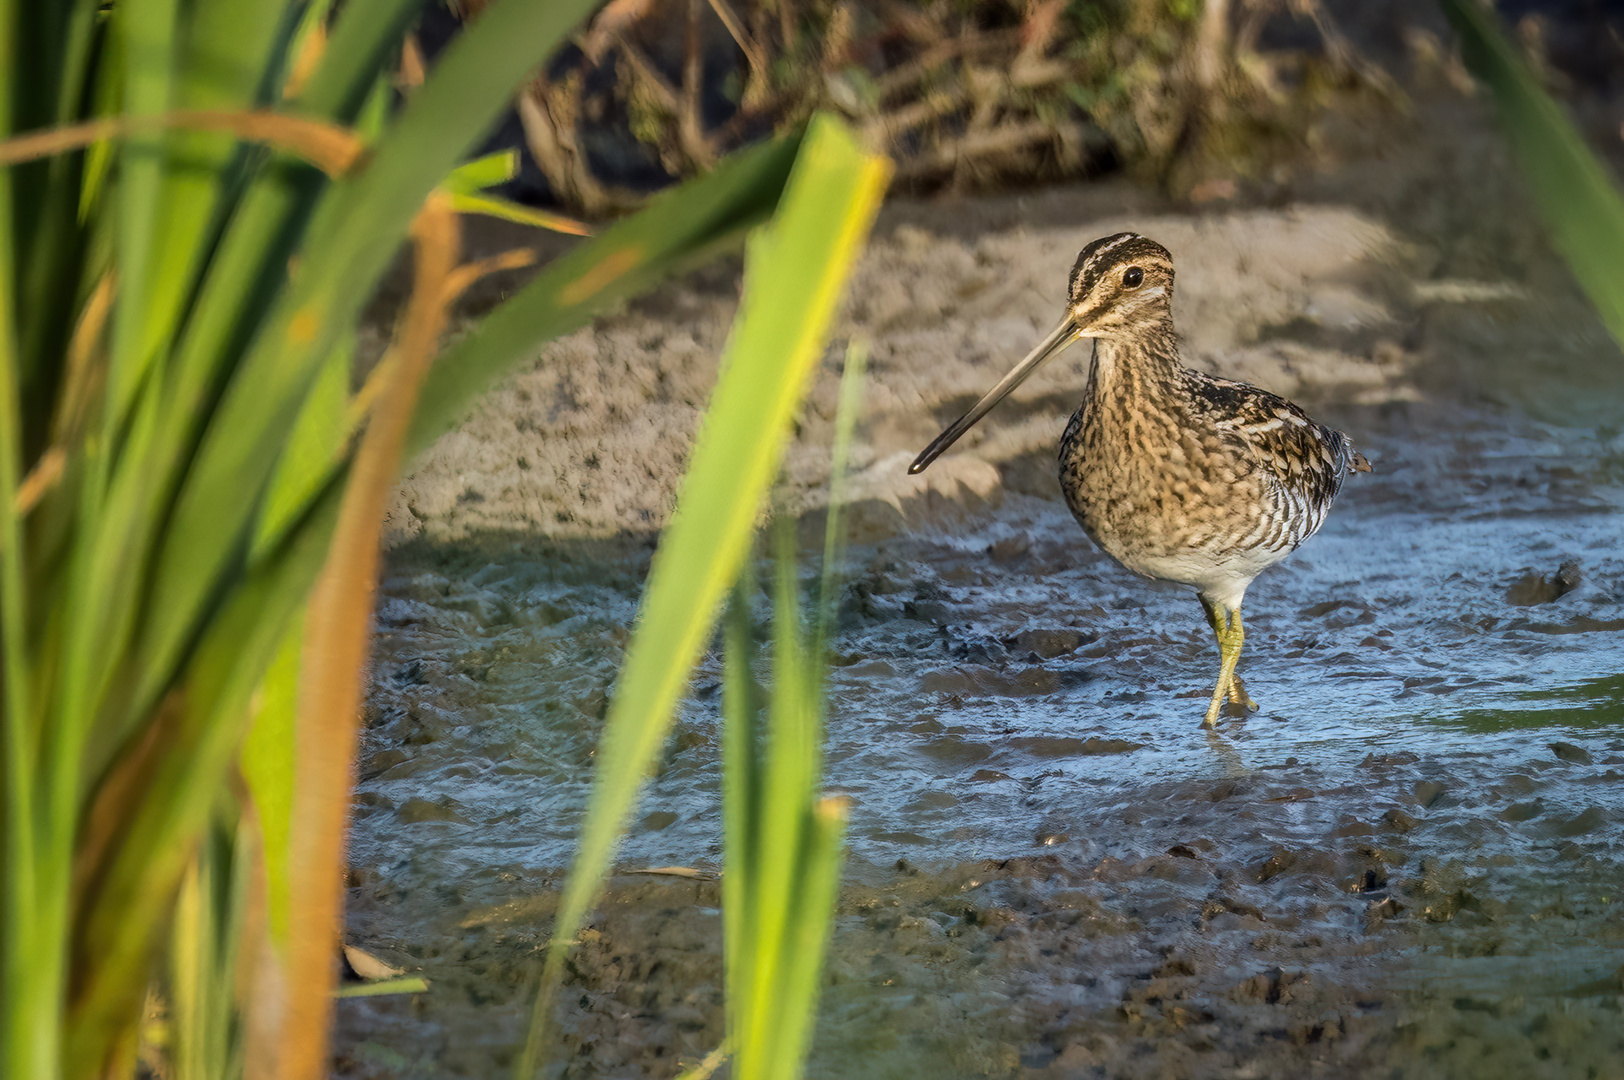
(1305, 459)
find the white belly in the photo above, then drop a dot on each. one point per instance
(1221, 578)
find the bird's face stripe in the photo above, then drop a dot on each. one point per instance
(1108, 300)
(1118, 241)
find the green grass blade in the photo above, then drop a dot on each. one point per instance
(188, 966)
(1576, 195)
(202, 959)
(52, 245)
(777, 903)
(314, 450)
(519, 214)
(806, 941)
(223, 48)
(846, 413)
(366, 33)
(482, 172)
(741, 799)
(740, 194)
(29, 1038)
(790, 777)
(353, 234)
(795, 270)
(107, 97)
(406, 984)
(147, 28)
(268, 768)
(129, 900)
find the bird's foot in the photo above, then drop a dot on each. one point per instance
(1233, 691)
(1238, 695)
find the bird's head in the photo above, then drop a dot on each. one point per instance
(1120, 285)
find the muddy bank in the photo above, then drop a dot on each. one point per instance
(592, 440)
(1407, 266)
(1407, 864)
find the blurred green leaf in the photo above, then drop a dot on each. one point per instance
(796, 267)
(313, 452)
(782, 889)
(269, 767)
(1576, 195)
(353, 233)
(481, 173)
(491, 206)
(850, 405)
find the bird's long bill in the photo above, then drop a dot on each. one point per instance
(1058, 339)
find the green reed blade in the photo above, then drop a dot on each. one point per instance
(131, 898)
(795, 269)
(847, 411)
(147, 31)
(223, 50)
(742, 736)
(199, 985)
(52, 247)
(481, 173)
(353, 233)
(789, 781)
(777, 901)
(806, 941)
(106, 97)
(1575, 193)
(29, 1038)
(364, 37)
(205, 931)
(269, 769)
(406, 984)
(518, 213)
(314, 451)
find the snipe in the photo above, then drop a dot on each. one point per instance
(1176, 474)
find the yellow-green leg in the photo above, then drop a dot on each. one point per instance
(1226, 626)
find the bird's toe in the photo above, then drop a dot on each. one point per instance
(1239, 698)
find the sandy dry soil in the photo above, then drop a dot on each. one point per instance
(1407, 865)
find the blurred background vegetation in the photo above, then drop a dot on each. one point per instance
(962, 95)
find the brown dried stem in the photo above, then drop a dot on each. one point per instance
(332, 149)
(333, 658)
(690, 125)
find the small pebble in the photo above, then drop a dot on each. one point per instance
(1399, 820)
(1569, 752)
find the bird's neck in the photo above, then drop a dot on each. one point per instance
(1138, 367)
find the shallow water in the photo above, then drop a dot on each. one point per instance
(1408, 863)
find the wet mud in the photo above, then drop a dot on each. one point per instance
(1408, 863)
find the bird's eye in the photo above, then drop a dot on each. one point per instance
(1133, 277)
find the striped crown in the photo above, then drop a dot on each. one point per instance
(1121, 283)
